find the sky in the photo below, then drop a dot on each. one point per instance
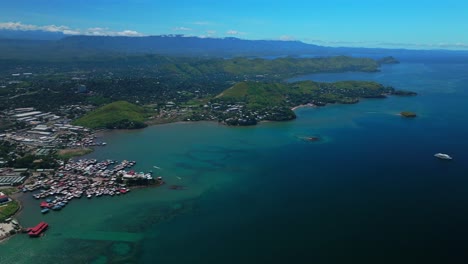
(366, 23)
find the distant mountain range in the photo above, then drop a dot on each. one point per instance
(31, 34)
(41, 45)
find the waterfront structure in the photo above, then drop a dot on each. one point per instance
(4, 199)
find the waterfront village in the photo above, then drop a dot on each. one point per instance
(55, 181)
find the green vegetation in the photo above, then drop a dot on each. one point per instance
(388, 60)
(8, 210)
(66, 154)
(120, 115)
(8, 191)
(6, 149)
(258, 95)
(136, 78)
(34, 162)
(179, 88)
(404, 93)
(408, 114)
(245, 103)
(298, 66)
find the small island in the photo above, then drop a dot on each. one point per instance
(388, 60)
(408, 114)
(404, 93)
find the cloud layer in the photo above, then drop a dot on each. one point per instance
(96, 31)
(181, 29)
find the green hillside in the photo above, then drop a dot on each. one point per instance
(259, 94)
(297, 66)
(120, 115)
(246, 103)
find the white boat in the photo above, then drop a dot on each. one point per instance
(442, 156)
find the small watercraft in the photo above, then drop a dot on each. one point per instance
(442, 156)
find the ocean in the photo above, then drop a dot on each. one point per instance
(369, 191)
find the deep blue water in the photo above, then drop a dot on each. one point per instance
(372, 194)
(369, 192)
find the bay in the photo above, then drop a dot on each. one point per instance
(370, 191)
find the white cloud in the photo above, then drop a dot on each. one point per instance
(286, 38)
(28, 27)
(128, 33)
(71, 32)
(181, 29)
(210, 33)
(232, 32)
(94, 31)
(16, 26)
(98, 31)
(201, 23)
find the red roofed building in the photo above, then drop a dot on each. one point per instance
(3, 199)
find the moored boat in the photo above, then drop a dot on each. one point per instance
(442, 156)
(45, 205)
(57, 207)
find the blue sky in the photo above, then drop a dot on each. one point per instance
(370, 23)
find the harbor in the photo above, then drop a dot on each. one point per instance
(87, 177)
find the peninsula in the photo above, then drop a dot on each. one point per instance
(50, 109)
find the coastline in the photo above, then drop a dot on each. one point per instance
(154, 122)
(104, 132)
(5, 228)
(309, 105)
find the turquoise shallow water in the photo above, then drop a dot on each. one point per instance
(370, 192)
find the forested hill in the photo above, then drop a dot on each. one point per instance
(181, 45)
(41, 46)
(86, 46)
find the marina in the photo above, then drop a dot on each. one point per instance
(87, 177)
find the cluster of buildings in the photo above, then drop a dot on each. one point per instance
(86, 177)
(30, 116)
(4, 198)
(46, 130)
(12, 177)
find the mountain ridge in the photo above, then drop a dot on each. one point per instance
(21, 47)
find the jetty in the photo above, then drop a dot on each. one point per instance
(37, 230)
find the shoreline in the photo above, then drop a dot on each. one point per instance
(150, 123)
(309, 105)
(4, 237)
(104, 132)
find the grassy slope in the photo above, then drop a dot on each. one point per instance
(8, 210)
(296, 66)
(112, 113)
(257, 94)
